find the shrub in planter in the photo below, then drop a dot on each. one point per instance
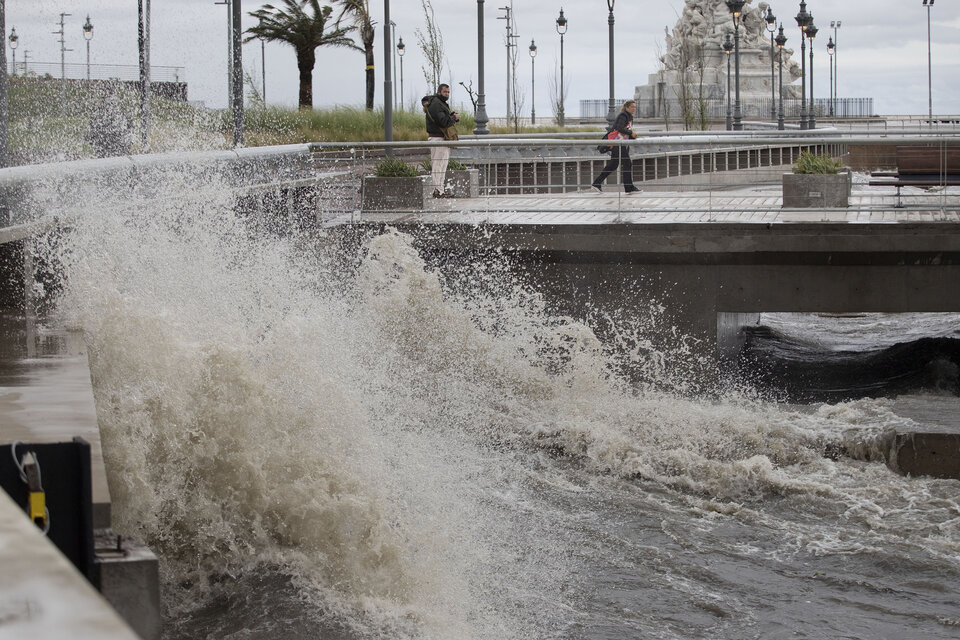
(817, 181)
(823, 164)
(395, 185)
(394, 168)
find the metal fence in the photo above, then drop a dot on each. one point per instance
(599, 108)
(704, 177)
(75, 71)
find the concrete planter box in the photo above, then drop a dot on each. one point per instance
(464, 184)
(387, 194)
(809, 190)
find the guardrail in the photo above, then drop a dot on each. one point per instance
(684, 168)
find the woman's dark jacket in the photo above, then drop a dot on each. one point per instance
(622, 123)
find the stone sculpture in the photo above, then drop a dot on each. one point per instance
(693, 66)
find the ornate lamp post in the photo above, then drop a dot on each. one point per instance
(736, 10)
(728, 49)
(561, 29)
(830, 48)
(14, 41)
(533, 82)
(612, 111)
(781, 41)
(929, 5)
(401, 49)
(88, 36)
(811, 34)
(803, 19)
(772, 27)
(481, 116)
(836, 58)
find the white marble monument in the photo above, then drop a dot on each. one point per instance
(693, 69)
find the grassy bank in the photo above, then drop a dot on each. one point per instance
(275, 125)
(50, 122)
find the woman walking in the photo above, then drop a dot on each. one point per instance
(620, 155)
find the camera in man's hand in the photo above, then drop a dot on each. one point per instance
(456, 116)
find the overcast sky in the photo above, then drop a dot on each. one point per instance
(881, 53)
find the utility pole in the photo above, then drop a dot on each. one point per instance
(511, 45)
(226, 3)
(63, 65)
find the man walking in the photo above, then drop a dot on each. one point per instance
(441, 125)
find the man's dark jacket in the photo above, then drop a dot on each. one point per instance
(438, 116)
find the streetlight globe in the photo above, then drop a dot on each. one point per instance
(533, 49)
(781, 39)
(803, 18)
(771, 20)
(88, 29)
(811, 30)
(14, 38)
(401, 48)
(830, 46)
(735, 7)
(728, 45)
(561, 23)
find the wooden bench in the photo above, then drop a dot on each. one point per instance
(921, 167)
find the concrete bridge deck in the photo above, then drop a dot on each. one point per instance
(757, 205)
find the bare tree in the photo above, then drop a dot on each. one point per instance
(470, 92)
(431, 44)
(556, 100)
(690, 69)
(663, 105)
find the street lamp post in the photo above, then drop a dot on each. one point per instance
(772, 27)
(929, 5)
(803, 19)
(736, 10)
(481, 116)
(781, 41)
(401, 49)
(88, 36)
(387, 80)
(533, 82)
(728, 49)
(830, 48)
(14, 42)
(393, 33)
(836, 59)
(561, 29)
(612, 111)
(812, 116)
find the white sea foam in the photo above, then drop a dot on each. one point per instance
(417, 457)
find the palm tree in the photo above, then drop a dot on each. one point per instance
(304, 32)
(359, 11)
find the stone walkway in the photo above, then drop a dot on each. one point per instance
(758, 205)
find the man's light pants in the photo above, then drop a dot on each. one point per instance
(439, 157)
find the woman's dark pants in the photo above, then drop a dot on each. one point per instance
(619, 156)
